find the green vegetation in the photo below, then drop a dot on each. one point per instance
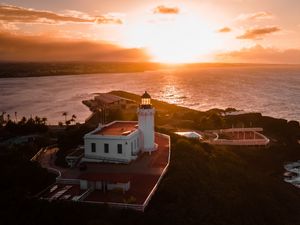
(204, 185)
(24, 126)
(70, 139)
(21, 179)
(227, 186)
(172, 117)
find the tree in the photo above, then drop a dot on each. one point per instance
(65, 115)
(23, 120)
(2, 118)
(44, 120)
(37, 120)
(68, 122)
(73, 119)
(16, 116)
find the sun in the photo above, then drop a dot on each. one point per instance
(174, 39)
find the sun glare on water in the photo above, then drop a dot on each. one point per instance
(174, 40)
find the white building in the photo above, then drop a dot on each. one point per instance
(190, 134)
(122, 141)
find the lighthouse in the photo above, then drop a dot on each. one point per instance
(146, 123)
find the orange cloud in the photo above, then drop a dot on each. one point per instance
(224, 30)
(257, 33)
(259, 54)
(255, 16)
(16, 14)
(108, 20)
(42, 48)
(161, 9)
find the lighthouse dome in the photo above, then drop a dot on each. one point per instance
(146, 95)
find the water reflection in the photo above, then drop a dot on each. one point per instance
(275, 92)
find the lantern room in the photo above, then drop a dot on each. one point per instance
(146, 100)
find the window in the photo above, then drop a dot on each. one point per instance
(131, 147)
(120, 148)
(93, 147)
(106, 148)
(135, 144)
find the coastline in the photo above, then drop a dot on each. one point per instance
(199, 175)
(41, 69)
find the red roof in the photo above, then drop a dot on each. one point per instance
(118, 129)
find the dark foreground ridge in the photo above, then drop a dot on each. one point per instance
(205, 184)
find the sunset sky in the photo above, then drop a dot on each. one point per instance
(252, 31)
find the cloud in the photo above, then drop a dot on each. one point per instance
(224, 30)
(257, 33)
(161, 9)
(8, 27)
(255, 16)
(108, 20)
(259, 54)
(44, 48)
(16, 14)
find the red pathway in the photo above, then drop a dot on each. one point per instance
(142, 173)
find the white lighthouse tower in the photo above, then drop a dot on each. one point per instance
(146, 123)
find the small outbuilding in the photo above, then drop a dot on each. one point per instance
(190, 134)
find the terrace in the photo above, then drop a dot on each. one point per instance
(61, 191)
(239, 136)
(144, 175)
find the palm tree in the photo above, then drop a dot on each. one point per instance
(2, 118)
(23, 120)
(68, 122)
(8, 117)
(65, 115)
(44, 120)
(37, 120)
(73, 118)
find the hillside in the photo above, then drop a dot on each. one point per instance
(204, 184)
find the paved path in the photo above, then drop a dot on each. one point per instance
(47, 159)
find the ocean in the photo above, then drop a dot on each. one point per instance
(272, 90)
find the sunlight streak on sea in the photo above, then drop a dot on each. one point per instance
(274, 91)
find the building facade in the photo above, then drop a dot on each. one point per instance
(122, 141)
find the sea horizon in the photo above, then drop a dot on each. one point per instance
(271, 91)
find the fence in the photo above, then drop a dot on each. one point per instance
(35, 157)
(239, 142)
(162, 174)
(67, 181)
